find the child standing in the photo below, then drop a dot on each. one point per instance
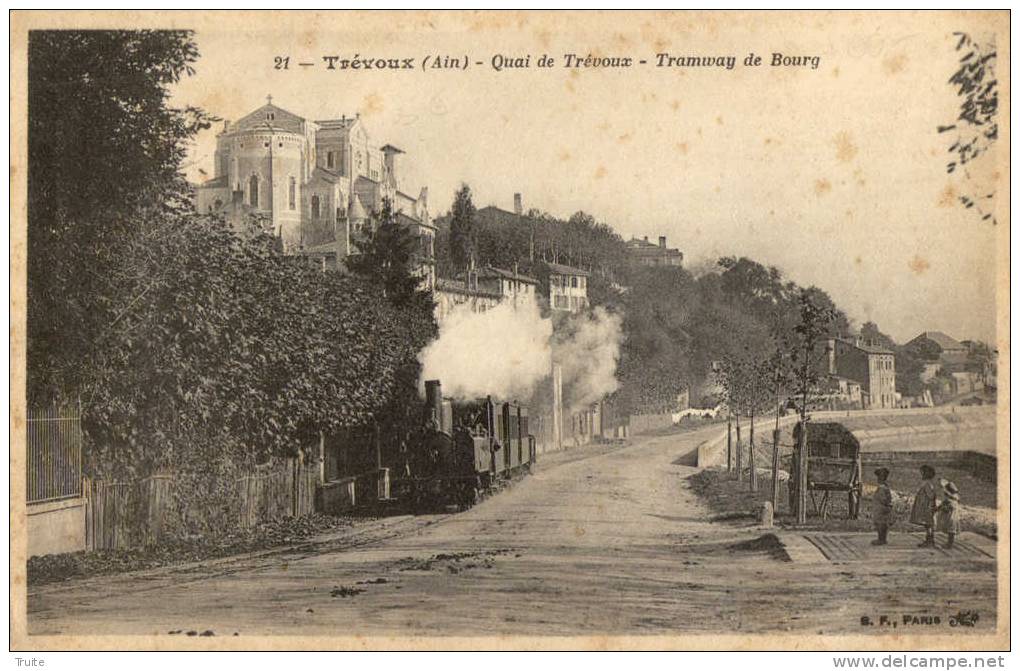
(925, 503)
(881, 506)
(949, 513)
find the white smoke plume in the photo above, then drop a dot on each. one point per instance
(507, 352)
(504, 352)
(587, 347)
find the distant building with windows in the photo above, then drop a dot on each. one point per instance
(452, 294)
(482, 290)
(873, 368)
(952, 355)
(940, 342)
(647, 253)
(316, 184)
(509, 284)
(568, 288)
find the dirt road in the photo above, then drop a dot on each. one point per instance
(596, 541)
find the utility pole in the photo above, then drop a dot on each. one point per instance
(802, 455)
(753, 475)
(729, 441)
(740, 449)
(802, 484)
(775, 451)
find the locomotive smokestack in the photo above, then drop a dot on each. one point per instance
(434, 403)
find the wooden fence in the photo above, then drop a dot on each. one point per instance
(128, 514)
(284, 492)
(125, 514)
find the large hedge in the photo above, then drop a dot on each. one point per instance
(222, 344)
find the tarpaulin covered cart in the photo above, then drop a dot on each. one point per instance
(834, 465)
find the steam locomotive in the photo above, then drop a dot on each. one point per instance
(466, 449)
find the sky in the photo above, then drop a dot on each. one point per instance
(834, 174)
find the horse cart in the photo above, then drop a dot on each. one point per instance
(834, 465)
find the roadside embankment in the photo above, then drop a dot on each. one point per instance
(911, 429)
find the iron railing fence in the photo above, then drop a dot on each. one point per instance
(54, 438)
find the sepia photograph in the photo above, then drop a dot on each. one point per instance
(517, 330)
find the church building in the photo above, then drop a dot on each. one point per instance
(317, 183)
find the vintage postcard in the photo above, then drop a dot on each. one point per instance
(510, 330)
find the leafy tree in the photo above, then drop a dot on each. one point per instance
(909, 368)
(504, 239)
(807, 351)
(807, 347)
(976, 127)
(462, 237)
(871, 333)
(659, 312)
(923, 350)
(234, 350)
(387, 256)
(104, 154)
(747, 375)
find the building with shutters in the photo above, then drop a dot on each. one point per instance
(314, 184)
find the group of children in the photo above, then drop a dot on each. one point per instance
(927, 511)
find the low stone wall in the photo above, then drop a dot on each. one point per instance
(872, 425)
(984, 466)
(645, 423)
(56, 526)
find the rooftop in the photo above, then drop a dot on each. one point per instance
(408, 220)
(489, 271)
(655, 250)
(458, 287)
(559, 269)
(867, 347)
(942, 340)
(344, 122)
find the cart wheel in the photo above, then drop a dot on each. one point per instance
(824, 512)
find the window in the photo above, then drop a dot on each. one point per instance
(573, 282)
(292, 194)
(315, 207)
(253, 191)
(330, 159)
(560, 302)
